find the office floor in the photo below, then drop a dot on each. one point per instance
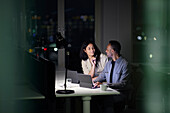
(137, 109)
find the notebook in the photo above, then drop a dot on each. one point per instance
(73, 75)
(85, 81)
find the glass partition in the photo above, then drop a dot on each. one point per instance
(151, 46)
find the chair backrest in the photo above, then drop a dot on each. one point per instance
(137, 75)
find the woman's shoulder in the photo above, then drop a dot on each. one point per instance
(85, 61)
(103, 55)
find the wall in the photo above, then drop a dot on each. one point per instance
(114, 17)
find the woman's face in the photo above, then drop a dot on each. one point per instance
(90, 50)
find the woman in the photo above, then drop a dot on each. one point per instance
(93, 61)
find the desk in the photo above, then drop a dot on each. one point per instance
(22, 92)
(28, 92)
(86, 94)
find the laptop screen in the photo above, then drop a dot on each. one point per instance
(85, 80)
(73, 75)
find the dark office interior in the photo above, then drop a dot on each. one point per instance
(31, 53)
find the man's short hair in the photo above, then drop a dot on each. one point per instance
(115, 46)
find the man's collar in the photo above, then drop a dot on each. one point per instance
(118, 60)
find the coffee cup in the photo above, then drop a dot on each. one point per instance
(103, 87)
(68, 82)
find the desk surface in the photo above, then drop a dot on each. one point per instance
(80, 91)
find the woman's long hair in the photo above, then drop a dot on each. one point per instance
(83, 55)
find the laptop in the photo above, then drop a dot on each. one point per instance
(85, 80)
(73, 75)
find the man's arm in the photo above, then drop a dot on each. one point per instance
(102, 76)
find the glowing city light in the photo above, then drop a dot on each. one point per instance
(55, 49)
(45, 49)
(154, 38)
(139, 37)
(145, 37)
(30, 50)
(150, 56)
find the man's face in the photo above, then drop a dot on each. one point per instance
(109, 50)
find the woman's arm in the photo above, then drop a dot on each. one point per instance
(84, 67)
(92, 70)
(89, 68)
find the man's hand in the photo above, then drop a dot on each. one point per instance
(97, 84)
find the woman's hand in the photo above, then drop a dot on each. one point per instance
(93, 61)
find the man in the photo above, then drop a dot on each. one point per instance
(116, 74)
